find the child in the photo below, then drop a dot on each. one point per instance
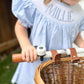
(56, 24)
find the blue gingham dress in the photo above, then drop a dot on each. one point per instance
(55, 25)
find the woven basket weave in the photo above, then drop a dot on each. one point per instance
(60, 72)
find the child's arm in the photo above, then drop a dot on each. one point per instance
(28, 51)
(79, 41)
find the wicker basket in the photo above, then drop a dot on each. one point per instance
(60, 72)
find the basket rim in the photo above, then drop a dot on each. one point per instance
(39, 68)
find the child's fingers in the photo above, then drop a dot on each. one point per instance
(23, 55)
(35, 55)
(27, 56)
(32, 56)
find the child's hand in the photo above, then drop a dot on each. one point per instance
(29, 53)
(81, 44)
(79, 41)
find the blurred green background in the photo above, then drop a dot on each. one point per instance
(7, 69)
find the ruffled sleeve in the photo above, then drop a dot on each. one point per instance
(81, 28)
(24, 11)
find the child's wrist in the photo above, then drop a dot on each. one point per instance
(25, 44)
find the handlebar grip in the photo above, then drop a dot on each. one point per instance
(17, 58)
